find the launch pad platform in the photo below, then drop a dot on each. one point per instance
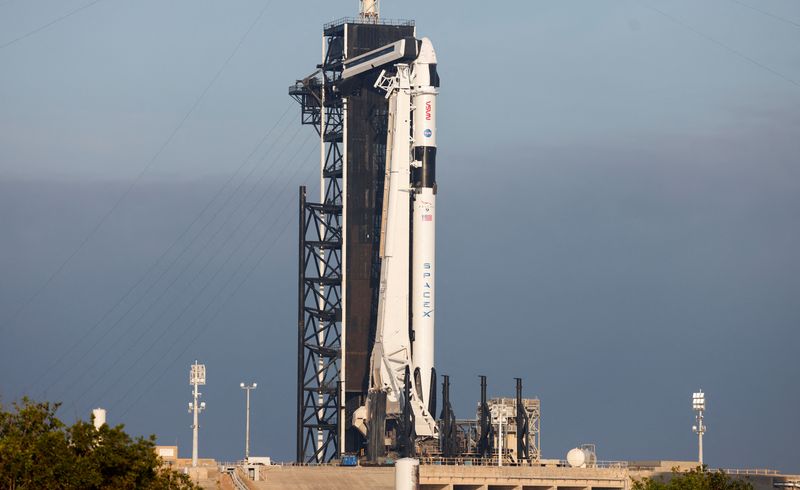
(549, 475)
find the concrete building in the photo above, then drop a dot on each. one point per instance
(550, 475)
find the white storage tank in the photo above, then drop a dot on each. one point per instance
(582, 457)
(99, 416)
(406, 474)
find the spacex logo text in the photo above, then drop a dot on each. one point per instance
(427, 303)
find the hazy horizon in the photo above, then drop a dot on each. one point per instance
(619, 216)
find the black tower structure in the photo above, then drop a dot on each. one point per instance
(447, 429)
(486, 430)
(339, 266)
(523, 428)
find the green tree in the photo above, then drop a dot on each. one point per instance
(37, 450)
(696, 479)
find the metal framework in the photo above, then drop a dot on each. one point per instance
(527, 412)
(337, 240)
(320, 266)
(479, 439)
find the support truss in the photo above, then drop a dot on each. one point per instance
(320, 267)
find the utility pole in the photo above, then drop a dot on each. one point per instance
(699, 406)
(247, 388)
(197, 377)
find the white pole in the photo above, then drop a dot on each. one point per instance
(321, 341)
(247, 430)
(247, 388)
(197, 377)
(701, 429)
(699, 406)
(406, 474)
(700, 447)
(194, 426)
(500, 444)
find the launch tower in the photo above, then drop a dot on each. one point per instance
(339, 267)
(366, 273)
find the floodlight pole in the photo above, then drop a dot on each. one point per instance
(700, 430)
(195, 425)
(700, 444)
(197, 377)
(699, 406)
(499, 416)
(247, 388)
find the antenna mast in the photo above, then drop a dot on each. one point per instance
(197, 377)
(699, 406)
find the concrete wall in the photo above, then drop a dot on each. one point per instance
(439, 477)
(326, 477)
(461, 477)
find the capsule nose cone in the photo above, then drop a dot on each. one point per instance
(426, 52)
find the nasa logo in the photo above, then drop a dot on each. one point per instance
(427, 133)
(428, 110)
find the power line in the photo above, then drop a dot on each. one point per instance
(174, 281)
(197, 296)
(768, 14)
(169, 267)
(182, 334)
(208, 323)
(720, 43)
(144, 170)
(49, 24)
(107, 314)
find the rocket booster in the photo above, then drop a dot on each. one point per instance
(407, 265)
(424, 84)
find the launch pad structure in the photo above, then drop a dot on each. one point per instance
(339, 239)
(366, 269)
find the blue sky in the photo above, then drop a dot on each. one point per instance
(619, 199)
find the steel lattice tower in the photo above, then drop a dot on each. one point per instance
(320, 270)
(339, 266)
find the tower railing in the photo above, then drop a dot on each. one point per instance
(359, 20)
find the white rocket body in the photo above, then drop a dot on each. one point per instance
(392, 351)
(423, 275)
(423, 263)
(404, 336)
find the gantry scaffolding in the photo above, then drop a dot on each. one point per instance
(468, 432)
(339, 266)
(320, 268)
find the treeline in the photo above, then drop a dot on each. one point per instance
(697, 479)
(39, 451)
